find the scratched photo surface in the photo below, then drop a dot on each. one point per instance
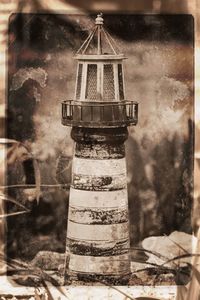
(158, 74)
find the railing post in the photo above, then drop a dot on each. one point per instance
(91, 108)
(136, 112)
(131, 114)
(81, 111)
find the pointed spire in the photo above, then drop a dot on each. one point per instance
(99, 19)
(99, 41)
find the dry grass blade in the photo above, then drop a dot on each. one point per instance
(37, 296)
(18, 263)
(149, 251)
(158, 267)
(19, 266)
(37, 179)
(2, 197)
(59, 288)
(7, 141)
(194, 286)
(14, 214)
(46, 277)
(146, 298)
(181, 292)
(13, 264)
(196, 272)
(49, 295)
(64, 268)
(179, 257)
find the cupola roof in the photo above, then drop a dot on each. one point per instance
(99, 42)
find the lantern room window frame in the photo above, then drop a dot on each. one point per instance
(82, 77)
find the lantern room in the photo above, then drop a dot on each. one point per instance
(100, 69)
(99, 99)
(99, 80)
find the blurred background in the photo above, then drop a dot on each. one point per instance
(159, 74)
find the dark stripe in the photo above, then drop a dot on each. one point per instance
(98, 216)
(99, 183)
(113, 279)
(99, 151)
(98, 249)
(99, 135)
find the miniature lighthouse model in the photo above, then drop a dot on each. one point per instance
(98, 226)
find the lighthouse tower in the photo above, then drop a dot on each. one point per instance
(98, 225)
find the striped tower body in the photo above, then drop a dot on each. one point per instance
(98, 233)
(98, 225)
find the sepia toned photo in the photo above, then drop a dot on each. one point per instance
(99, 154)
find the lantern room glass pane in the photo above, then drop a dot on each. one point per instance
(108, 83)
(121, 85)
(79, 79)
(91, 83)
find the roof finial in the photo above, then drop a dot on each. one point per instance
(99, 19)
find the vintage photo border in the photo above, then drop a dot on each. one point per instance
(163, 292)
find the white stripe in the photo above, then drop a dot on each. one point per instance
(94, 232)
(98, 199)
(112, 265)
(85, 216)
(99, 167)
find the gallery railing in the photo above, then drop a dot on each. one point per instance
(99, 114)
